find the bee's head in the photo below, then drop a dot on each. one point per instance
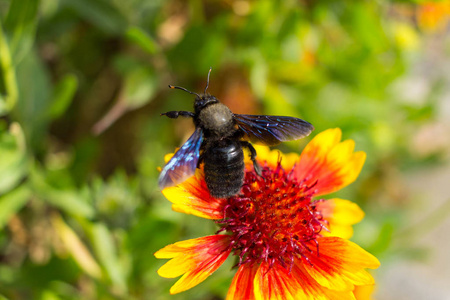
(202, 100)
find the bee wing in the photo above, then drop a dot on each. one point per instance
(272, 130)
(184, 162)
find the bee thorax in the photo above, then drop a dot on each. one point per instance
(217, 119)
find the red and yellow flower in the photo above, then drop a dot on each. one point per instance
(289, 242)
(433, 15)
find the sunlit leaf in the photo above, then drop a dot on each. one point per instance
(76, 248)
(49, 295)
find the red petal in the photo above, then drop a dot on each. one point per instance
(340, 264)
(196, 259)
(192, 197)
(329, 163)
(276, 282)
(242, 285)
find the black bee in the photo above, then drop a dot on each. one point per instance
(218, 141)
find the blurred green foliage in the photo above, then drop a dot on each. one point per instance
(82, 85)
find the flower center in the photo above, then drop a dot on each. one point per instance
(273, 219)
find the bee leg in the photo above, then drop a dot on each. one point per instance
(176, 114)
(256, 166)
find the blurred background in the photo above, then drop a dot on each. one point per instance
(82, 86)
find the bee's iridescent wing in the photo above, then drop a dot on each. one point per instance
(272, 130)
(184, 162)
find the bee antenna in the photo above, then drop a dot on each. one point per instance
(183, 89)
(207, 81)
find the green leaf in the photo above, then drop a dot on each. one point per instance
(3, 106)
(63, 95)
(34, 100)
(49, 295)
(105, 250)
(140, 86)
(13, 162)
(70, 201)
(8, 86)
(100, 13)
(20, 26)
(140, 82)
(12, 202)
(142, 39)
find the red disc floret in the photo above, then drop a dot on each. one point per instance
(273, 219)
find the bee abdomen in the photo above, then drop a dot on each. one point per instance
(224, 168)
